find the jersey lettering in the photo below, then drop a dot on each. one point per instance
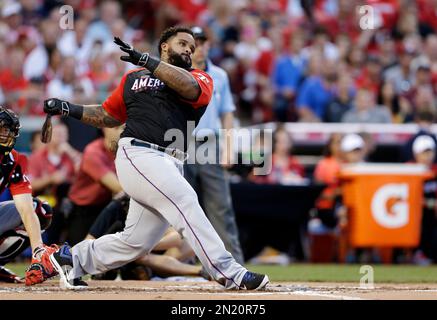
(146, 83)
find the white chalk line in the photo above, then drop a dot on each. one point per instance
(293, 290)
(184, 289)
(298, 293)
(224, 293)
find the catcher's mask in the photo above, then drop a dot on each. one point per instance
(9, 130)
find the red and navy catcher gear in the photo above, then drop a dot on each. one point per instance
(15, 241)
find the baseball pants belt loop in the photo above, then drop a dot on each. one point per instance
(175, 153)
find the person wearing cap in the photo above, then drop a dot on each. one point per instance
(352, 147)
(210, 180)
(11, 12)
(424, 151)
(331, 216)
(370, 77)
(424, 120)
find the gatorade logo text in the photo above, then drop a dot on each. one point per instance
(389, 205)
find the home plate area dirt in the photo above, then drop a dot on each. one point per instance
(163, 290)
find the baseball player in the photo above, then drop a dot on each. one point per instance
(13, 237)
(22, 218)
(158, 261)
(155, 101)
(210, 180)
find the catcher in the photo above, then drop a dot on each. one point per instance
(22, 218)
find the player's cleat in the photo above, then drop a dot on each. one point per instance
(63, 263)
(79, 284)
(254, 281)
(41, 268)
(108, 275)
(8, 276)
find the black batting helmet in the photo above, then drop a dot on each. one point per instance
(9, 129)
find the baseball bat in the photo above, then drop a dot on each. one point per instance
(46, 132)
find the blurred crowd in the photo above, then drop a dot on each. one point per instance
(288, 60)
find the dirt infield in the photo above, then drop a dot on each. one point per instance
(161, 290)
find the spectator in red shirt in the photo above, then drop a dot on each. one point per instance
(52, 168)
(386, 10)
(12, 81)
(331, 213)
(370, 77)
(53, 165)
(328, 169)
(328, 172)
(428, 13)
(95, 184)
(346, 21)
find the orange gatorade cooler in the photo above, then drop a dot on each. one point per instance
(384, 203)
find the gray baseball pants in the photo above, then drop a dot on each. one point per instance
(9, 216)
(160, 196)
(211, 182)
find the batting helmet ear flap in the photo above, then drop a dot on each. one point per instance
(44, 212)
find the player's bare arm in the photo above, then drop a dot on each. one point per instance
(24, 205)
(93, 115)
(96, 116)
(180, 80)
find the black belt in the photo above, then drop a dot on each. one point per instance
(178, 154)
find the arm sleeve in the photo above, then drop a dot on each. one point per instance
(23, 185)
(114, 104)
(206, 88)
(94, 165)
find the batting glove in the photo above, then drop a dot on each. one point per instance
(56, 106)
(134, 57)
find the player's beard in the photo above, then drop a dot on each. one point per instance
(179, 60)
